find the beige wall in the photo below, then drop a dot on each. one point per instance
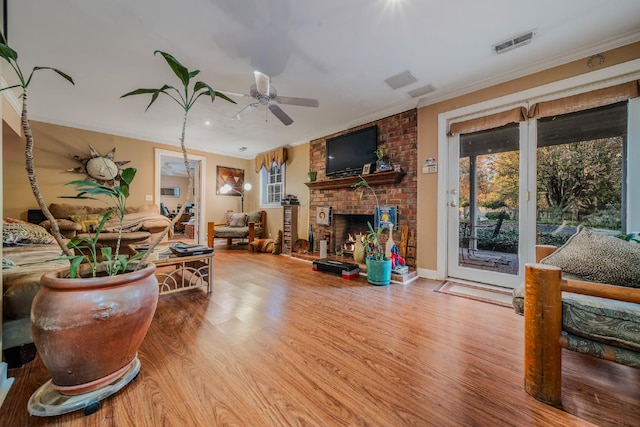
(54, 147)
(180, 182)
(428, 137)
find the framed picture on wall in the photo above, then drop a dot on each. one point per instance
(229, 176)
(366, 169)
(323, 215)
(386, 215)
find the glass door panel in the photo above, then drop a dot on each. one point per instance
(486, 201)
(580, 173)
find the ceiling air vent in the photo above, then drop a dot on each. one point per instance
(513, 43)
(402, 79)
(421, 91)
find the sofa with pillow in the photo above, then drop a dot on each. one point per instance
(26, 254)
(584, 297)
(238, 225)
(142, 224)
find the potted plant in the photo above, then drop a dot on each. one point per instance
(383, 163)
(185, 98)
(104, 306)
(378, 265)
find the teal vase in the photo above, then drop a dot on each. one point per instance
(379, 272)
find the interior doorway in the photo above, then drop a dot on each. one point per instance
(171, 184)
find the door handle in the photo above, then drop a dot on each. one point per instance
(453, 203)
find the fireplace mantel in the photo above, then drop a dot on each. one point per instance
(377, 178)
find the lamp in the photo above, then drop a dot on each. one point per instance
(229, 189)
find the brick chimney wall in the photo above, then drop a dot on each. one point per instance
(399, 134)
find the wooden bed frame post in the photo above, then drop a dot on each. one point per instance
(542, 330)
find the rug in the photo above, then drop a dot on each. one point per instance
(485, 293)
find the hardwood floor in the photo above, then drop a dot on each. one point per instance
(277, 344)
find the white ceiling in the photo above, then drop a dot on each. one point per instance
(337, 51)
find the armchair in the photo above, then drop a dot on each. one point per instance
(597, 319)
(238, 226)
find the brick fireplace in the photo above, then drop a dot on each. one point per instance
(398, 133)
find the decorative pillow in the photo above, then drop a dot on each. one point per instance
(88, 222)
(254, 217)
(277, 244)
(598, 257)
(261, 245)
(24, 234)
(236, 219)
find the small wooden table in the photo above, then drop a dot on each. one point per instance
(179, 273)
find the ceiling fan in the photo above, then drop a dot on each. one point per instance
(264, 93)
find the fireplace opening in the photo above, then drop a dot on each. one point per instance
(346, 228)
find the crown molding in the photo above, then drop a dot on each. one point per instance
(584, 53)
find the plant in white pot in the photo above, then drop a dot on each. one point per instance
(88, 320)
(378, 265)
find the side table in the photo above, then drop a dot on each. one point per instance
(179, 273)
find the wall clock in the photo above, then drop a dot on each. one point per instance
(100, 168)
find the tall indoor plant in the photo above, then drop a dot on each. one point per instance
(186, 98)
(87, 330)
(378, 265)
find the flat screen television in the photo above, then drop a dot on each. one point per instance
(348, 153)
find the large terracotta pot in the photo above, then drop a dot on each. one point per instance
(87, 331)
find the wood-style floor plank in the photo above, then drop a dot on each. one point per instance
(277, 344)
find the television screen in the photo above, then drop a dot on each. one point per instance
(347, 154)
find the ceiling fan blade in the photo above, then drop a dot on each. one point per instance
(241, 95)
(303, 102)
(246, 110)
(262, 82)
(280, 114)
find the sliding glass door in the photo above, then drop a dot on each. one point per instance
(484, 205)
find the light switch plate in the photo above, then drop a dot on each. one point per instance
(148, 197)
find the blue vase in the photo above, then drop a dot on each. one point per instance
(379, 272)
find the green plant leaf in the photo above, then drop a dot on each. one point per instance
(74, 266)
(106, 252)
(7, 53)
(179, 69)
(64, 75)
(127, 175)
(139, 92)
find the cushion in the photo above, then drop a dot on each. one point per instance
(598, 257)
(606, 321)
(65, 210)
(149, 208)
(254, 216)
(236, 219)
(88, 222)
(24, 234)
(261, 245)
(277, 244)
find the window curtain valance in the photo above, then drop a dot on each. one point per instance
(585, 101)
(279, 155)
(489, 122)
